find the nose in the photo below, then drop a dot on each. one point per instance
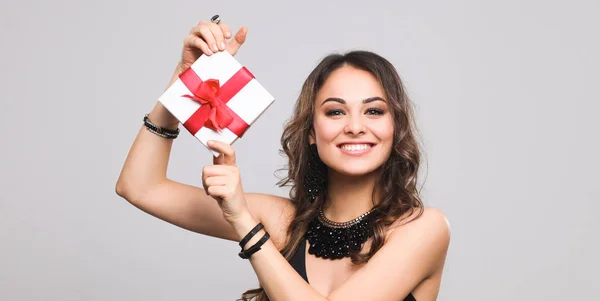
(354, 126)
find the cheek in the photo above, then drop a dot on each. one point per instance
(384, 130)
(326, 131)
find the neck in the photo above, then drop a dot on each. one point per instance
(349, 197)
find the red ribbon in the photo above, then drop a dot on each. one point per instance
(213, 112)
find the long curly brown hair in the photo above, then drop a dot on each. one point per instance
(397, 183)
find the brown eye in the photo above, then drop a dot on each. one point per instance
(375, 111)
(334, 112)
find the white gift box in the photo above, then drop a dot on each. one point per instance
(216, 99)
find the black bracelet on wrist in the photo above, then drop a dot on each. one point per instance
(250, 234)
(255, 248)
(160, 131)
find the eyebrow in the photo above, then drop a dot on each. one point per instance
(342, 101)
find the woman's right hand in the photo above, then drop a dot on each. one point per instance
(207, 38)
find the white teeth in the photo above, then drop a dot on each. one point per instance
(355, 147)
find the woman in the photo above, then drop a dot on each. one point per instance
(354, 227)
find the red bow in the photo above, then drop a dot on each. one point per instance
(207, 93)
(214, 112)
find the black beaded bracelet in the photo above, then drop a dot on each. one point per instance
(255, 248)
(160, 131)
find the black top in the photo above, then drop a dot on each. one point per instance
(298, 262)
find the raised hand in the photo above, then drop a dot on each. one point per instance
(222, 182)
(207, 38)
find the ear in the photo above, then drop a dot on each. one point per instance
(311, 136)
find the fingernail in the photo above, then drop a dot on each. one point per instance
(210, 142)
(214, 47)
(223, 45)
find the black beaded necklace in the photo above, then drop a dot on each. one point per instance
(333, 240)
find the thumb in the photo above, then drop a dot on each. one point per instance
(240, 37)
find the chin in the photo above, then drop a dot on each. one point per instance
(355, 169)
(355, 173)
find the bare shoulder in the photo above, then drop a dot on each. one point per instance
(428, 232)
(274, 212)
(428, 220)
(431, 222)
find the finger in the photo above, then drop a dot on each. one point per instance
(217, 181)
(225, 29)
(218, 34)
(193, 41)
(225, 149)
(206, 34)
(215, 170)
(214, 175)
(204, 177)
(218, 191)
(240, 37)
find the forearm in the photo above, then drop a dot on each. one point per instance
(278, 278)
(147, 160)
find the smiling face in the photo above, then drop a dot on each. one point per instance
(353, 125)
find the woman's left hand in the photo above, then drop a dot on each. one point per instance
(223, 183)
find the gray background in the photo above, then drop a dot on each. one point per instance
(507, 100)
